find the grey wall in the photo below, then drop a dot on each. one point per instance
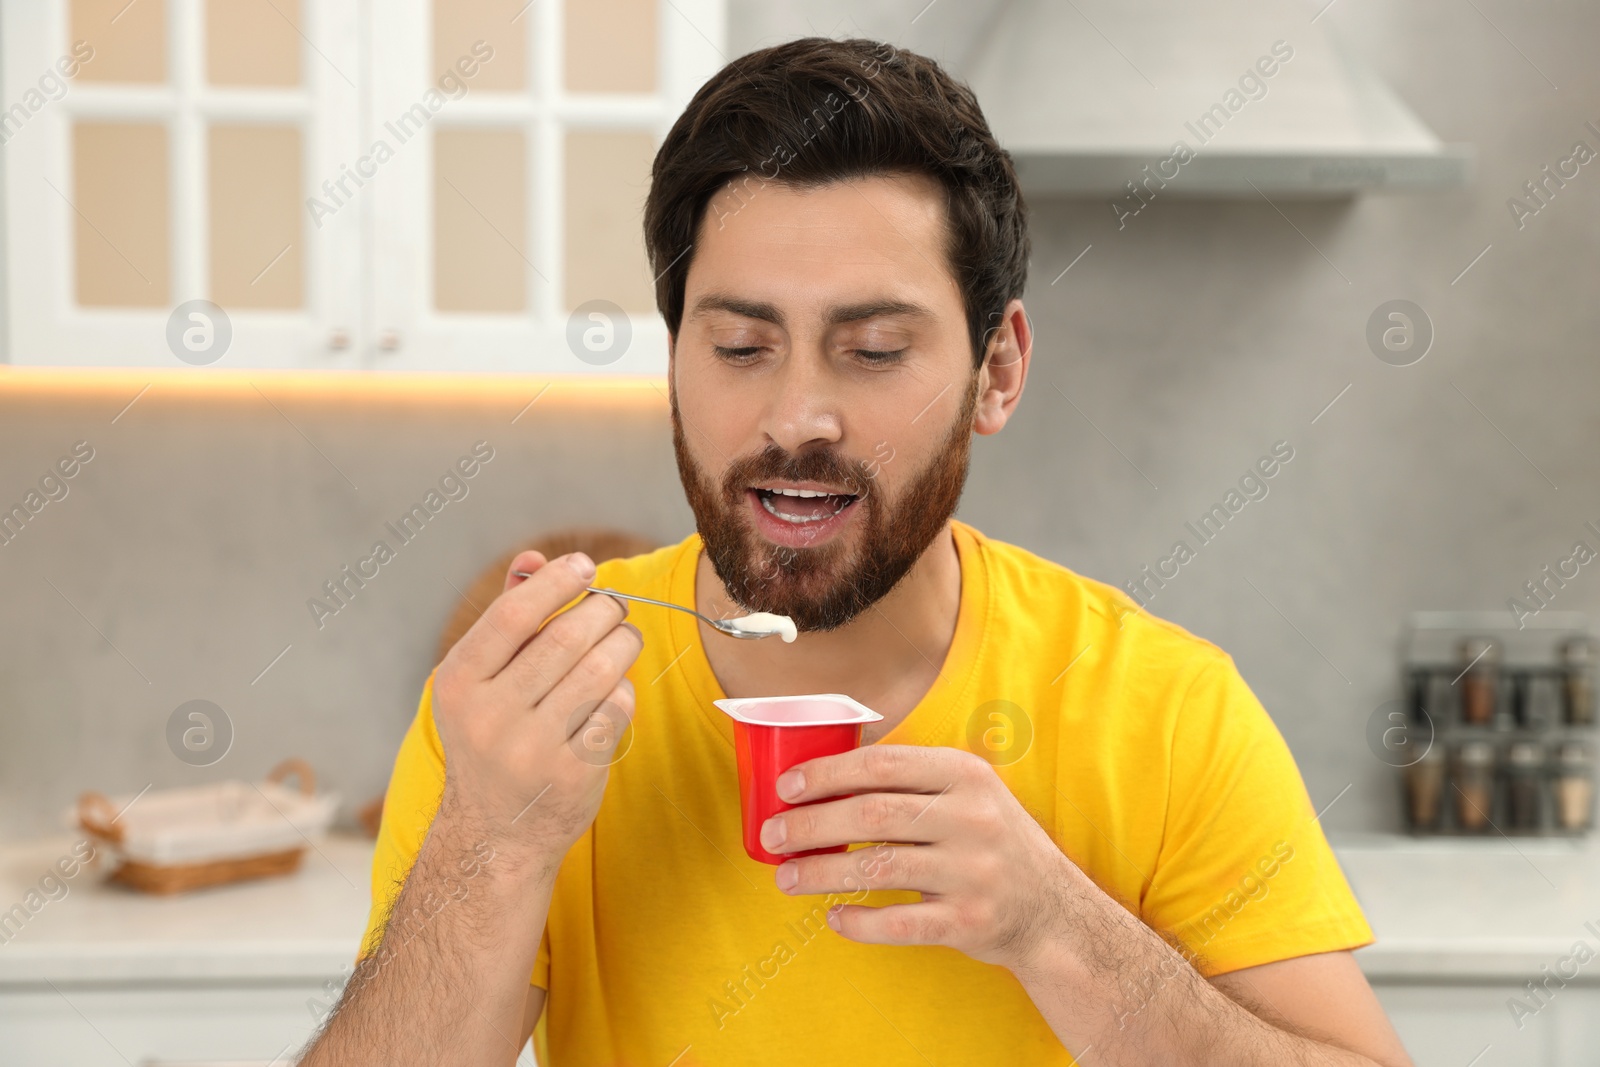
(1193, 339)
(193, 539)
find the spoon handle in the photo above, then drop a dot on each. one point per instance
(647, 600)
(630, 596)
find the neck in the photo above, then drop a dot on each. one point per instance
(887, 657)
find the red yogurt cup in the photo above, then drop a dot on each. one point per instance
(772, 734)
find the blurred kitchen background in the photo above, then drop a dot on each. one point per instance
(372, 333)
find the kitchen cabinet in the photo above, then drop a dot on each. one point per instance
(107, 976)
(456, 185)
(1452, 1024)
(1463, 926)
(173, 1024)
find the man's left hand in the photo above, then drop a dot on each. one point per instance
(993, 883)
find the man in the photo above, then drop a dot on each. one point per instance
(1078, 832)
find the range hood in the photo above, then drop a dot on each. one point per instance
(1225, 98)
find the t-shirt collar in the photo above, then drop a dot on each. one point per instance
(928, 721)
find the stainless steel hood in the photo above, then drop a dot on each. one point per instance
(1137, 98)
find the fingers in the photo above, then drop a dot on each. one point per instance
(602, 729)
(910, 817)
(878, 768)
(622, 695)
(926, 923)
(596, 675)
(539, 665)
(516, 615)
(526, 562)
(911, 867)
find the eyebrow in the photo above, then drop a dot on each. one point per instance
(842, 313)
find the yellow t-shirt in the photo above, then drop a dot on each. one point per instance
(1136, 744)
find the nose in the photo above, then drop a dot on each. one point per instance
(803, 409)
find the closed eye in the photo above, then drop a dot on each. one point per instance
(870, 355)
(875, 356)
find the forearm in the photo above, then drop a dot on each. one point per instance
(1134, 999)
(448, 983)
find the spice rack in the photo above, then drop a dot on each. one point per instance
(1501, 724)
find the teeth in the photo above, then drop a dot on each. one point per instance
(800, 492)
(795, 519)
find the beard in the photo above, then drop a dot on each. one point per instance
(825, 586)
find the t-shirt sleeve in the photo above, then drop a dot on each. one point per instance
(1245, 875)
(415, 787)
(541, 962)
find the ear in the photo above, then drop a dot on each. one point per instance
(1008, 352)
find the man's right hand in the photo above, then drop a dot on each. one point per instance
(508, 702)
(449, 979)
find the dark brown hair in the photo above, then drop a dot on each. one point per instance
(816, 110)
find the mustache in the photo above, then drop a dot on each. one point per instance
(773, 463)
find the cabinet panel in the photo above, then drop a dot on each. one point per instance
(173, 1026)
(112, 1027)
(500, 24)
(253, 42)
(1453, 1025)
(120, 193)
(130, 46)
(610, 46)
(257, 216)
(607, 178)
(480, 220)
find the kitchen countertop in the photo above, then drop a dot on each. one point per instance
(1472, 909)
(1461, 910)
(307, 925)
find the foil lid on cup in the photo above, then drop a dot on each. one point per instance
(809, 709)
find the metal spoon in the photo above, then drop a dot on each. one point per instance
(723, 625)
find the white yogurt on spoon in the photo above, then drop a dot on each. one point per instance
(764, 622)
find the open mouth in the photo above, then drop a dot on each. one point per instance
(803, 507)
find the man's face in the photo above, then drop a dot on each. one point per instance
(824, 347)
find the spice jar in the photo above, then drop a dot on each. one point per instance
(1525, 783)
(1480, 673)
(1425, 789)
(1578, 655)
(1474, 784)
(1532, 696)
(1574, 786)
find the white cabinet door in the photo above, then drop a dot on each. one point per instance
(161, 155)
(430, 185)
(509, 230)
(174, 1026)
(118, 1026)
(1453, 1025)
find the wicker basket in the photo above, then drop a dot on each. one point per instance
(182, 839)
